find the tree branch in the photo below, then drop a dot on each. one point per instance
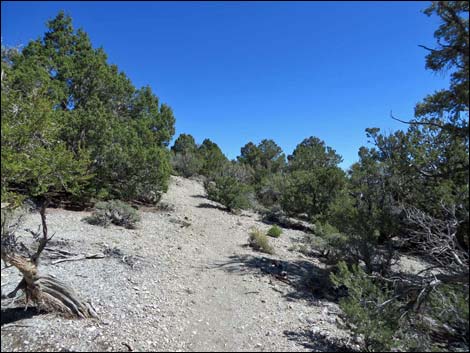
(44, 240)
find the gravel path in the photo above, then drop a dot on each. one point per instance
(185, 280)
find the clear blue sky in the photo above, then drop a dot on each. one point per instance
(243, 71)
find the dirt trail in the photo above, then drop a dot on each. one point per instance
(183, 281)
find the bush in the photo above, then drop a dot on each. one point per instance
(229, 192)
(114, 211)
(275, 231)
(259, 241)
(369, 317)
(165, 207)
(269, 190)
(186, 164)
(311, 244)
(333, 243)
(380, 312)
(140, 173)
(311, 192)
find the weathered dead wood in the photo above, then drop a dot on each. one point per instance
(80, 257)
(48, 293)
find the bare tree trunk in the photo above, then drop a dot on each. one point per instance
(48, 293)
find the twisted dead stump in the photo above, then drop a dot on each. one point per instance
(46, 292)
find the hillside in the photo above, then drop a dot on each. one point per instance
(184, 280)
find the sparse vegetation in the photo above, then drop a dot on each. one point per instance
(165, 207)
(259, 241)
(115, 212)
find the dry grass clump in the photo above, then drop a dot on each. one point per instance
(259, 241)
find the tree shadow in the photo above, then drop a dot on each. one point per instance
(208, 205)
(318, 342)
(288, 223)
(308, 281)
(10, 315)
(199, 196)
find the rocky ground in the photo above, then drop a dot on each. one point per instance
(185, 280)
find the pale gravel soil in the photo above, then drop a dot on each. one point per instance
(191, 288)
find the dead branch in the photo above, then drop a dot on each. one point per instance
(80, 257)
(128, 346)
(58, 253)
(47, 292)
(437, 239)
(455, 130)
(44, 240)
(7, 326)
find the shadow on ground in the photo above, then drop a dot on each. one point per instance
(317, 342)
(199, 196)
(308, 281)
(286, 222)
(208, 205)
(10, 315)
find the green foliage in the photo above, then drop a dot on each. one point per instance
(185, 158)
(275, 231)
(34, 160)
(331, 243)
(311, 191)
(186, 164)
(132, 170)
(259, 241)
(375, 310)
(74, 124)
(264, 165)
(240, 172)
(269, 191)
(265, 159)
(184, 143)
(428, 165)
(213, 160)
(229, 192)
(425, 167)
(451, 53)
(188, 159)
(313, 181)
(312, 153)
(365, 310)
(448, 307)
(366, 215)
(115, 212)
